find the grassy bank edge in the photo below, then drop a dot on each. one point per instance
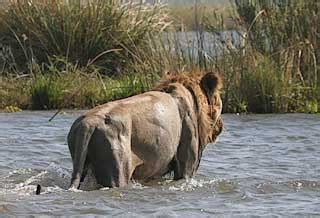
(70, 91)
(82, 91)
(259, 76)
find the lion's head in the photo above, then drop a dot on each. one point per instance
(211, 84)
(205, 90)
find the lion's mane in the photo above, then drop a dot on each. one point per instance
(192, 82)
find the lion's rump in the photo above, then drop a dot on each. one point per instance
(148, 135)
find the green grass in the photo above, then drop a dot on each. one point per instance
(14, 92)
(99, 33)
(70, 90)
(287, 36)
(52, 59)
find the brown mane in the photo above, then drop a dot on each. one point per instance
(191, 81)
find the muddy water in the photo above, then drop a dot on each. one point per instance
(261, 165)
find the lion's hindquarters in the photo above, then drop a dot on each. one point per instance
(149, 134)
(103, 148)
(110, 159)
(78, 141)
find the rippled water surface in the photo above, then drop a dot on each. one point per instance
(261, 165)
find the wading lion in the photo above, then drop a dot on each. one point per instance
(149, 135)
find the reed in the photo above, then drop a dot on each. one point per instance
(45, 93)
(97, 32)
(286, 34)
(269, 62)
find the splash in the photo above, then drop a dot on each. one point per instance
(191, 185)
(137, 185)
(24, 181)
(220, 186)
(72, 189)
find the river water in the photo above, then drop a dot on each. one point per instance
(262, 165)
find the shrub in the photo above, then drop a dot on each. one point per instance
(45, 93)
(98, 32)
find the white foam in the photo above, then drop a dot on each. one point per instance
(19, 172)
(34, 179)
(52, 179)
(136, 185)
(72, 189)
(191, 185)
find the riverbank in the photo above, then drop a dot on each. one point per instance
(80, 91)
(51, 58)
(74, 90)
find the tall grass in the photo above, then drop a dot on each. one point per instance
(98, 32)
(269, 62)
(45, 94)
(273, 63)
(287, 31)
(286, 34)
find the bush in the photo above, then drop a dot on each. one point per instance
(99, 32)
(277, 69)
(287, 33)
(272, 65)
(45, 93)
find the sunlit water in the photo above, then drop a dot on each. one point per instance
(261, 165)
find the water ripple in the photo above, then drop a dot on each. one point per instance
(265, 165)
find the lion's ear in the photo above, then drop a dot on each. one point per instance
(211, 83)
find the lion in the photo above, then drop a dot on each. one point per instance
(147, 136)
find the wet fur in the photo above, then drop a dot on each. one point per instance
(205, 101)
(148, 135)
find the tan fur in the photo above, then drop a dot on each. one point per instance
(206, 124)
(148, 135)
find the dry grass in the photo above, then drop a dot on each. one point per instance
(276, 69)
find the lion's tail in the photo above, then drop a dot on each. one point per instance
(79, 140)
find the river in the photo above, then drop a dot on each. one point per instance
(262, 165)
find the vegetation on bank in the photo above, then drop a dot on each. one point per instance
(69, 89)
(75, 55)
